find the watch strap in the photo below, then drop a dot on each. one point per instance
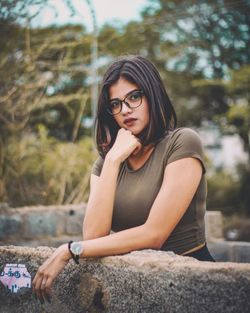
(74, 256)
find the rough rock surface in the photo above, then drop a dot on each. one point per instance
(145, 281)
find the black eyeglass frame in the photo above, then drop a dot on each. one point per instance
(109, 110)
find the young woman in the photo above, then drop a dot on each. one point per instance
(148, 184)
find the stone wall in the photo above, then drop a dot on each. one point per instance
(41, 225)
(222, 250)
(50, 224)
(57, 224)
(146, 281)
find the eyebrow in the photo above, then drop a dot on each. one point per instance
(125, 94)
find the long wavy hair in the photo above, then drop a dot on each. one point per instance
(140, 71)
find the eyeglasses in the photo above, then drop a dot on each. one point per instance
(132, 100)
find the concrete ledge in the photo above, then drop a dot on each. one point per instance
(43, 224)
(56, 224)
(235, 251)
(214, 225)
(145, 281)
(49, 224)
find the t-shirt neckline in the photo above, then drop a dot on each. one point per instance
(144, 164)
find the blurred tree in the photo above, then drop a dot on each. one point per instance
(200, 48)
(238, 115)
(44, 81)
(223, 192)
(236, 93)
(203, 49)
(210, 40)
(46, 73)
(12, 11)
(188, 41)
(47, 171)
(214, 35)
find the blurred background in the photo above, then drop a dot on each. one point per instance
(52, 57)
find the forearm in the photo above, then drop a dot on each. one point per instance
(135, 238)
(132, 239)
(99, 212)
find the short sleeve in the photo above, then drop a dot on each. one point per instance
(185, 142)
(97, 166)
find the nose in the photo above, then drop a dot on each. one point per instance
(125, 108)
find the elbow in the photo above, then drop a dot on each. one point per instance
(155, 240)
(89, 233)
(157, 243)
(93, 235)
(94, 229)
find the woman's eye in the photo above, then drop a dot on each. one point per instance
(135, 96)
(114, 104)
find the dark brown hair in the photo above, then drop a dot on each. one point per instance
(140, 71)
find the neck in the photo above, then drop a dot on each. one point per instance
(143, 152)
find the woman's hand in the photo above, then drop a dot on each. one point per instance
(125, 145)
(48, 271)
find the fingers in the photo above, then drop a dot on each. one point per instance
(125, 144)
(137, 143)
(138, 148)
(41, 291)
(124, 130)
(46, 289)
(127, 132)
(48, 271)
(41, 286)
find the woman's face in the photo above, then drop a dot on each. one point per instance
(133, 119)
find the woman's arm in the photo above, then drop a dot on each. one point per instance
(181, 180)
(99, 211)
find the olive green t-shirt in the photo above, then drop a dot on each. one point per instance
(136, 190)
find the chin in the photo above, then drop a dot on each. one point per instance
(136, 132)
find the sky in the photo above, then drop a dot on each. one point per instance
(120, 11)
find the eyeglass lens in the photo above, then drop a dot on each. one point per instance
(132, 100)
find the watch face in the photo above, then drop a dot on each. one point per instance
(76, 248)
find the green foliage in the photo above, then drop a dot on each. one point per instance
(46, 171)
(240, 81)
(201, 49)
(45, 75)
(237, 117)
(229, 193)
(213, 35)
(223, 190)
(43, 86)
(244, 183)
(16, 10)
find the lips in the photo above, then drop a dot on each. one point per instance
(128, 121)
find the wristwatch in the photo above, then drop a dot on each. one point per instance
(75, 249)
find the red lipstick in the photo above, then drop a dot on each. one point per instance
(129, 121)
